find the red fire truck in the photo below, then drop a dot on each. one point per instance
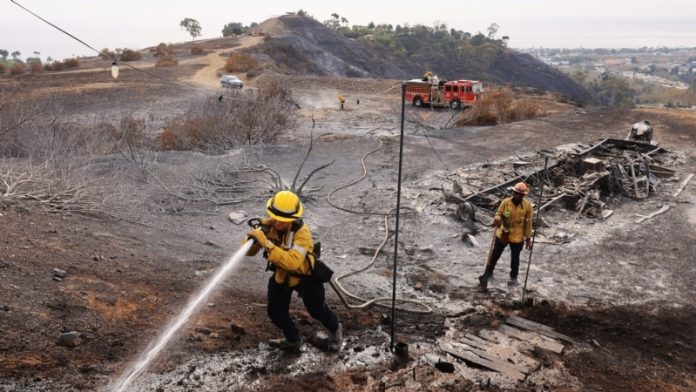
(455, 94)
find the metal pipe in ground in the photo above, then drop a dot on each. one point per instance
(398, 210)
(536, 227)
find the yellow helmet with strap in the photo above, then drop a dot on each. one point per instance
(284, 206)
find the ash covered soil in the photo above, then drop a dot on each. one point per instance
(624, 292)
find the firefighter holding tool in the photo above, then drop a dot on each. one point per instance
(513, 222)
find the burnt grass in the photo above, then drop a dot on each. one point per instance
(634, 348)
(126, 280)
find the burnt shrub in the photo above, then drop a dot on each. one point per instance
(130, 55)
(54, 66)
(107, 54)
(246, 117)
(18, 69)
(163, 49)
(2, 68)
(501, 106)
(71, 63)
(241, 62)
(197, 50)
(36, 66)
(252, 73)
(524, 109)
(166, 61)
(170, 141)
(166, 55)
(131, 131)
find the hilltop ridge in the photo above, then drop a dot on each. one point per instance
(302, 46)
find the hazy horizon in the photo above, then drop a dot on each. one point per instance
(536, 23)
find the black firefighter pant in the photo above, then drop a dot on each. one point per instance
(498, 248)
(312, 294)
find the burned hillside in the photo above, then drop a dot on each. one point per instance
(301, 45)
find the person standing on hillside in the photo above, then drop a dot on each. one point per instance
(288, 248)
(513, 222)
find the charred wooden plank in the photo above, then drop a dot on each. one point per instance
(498, 366)
(538, 328)
(533, 338)
(476, 344)
(479, 339)
(494, 358)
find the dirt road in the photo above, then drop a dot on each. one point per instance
(208, 76)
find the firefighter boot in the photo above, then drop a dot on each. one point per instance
(483, 282)
(336, 339)
(286, 345)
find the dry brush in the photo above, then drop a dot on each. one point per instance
(215, 125)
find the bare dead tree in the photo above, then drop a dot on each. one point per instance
(279, 184)
(50, 161)
(132, 134)
(55, 190)
(298, 190)
(13, 183)
(223, 186)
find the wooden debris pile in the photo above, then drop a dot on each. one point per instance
(580, 181)
(509, 350)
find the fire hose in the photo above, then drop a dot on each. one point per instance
(342, 293)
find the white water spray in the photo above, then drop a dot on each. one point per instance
(144, 360)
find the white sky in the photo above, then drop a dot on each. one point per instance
(528, 23)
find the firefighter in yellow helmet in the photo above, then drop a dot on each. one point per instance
(341, 101)
(288, 248)
(513, 222)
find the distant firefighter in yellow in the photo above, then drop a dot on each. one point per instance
(341, 100)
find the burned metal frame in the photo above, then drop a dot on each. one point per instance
(489, 198)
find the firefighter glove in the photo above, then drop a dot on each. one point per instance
(261, 239)
(528, 243)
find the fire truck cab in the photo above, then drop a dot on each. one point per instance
(455, 94)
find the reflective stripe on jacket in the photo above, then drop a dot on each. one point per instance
(515, 218)
(289, 254)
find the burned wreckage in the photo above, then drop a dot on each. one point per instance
(580, 180)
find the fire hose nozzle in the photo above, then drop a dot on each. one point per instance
(255, 223)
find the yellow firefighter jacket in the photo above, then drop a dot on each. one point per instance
(291, 255)
(516, 219)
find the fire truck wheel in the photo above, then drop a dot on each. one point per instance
(418, 101)
(455, 105)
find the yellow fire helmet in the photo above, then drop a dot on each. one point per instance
(284, 206)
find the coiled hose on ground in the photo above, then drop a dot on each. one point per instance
(344, 294)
